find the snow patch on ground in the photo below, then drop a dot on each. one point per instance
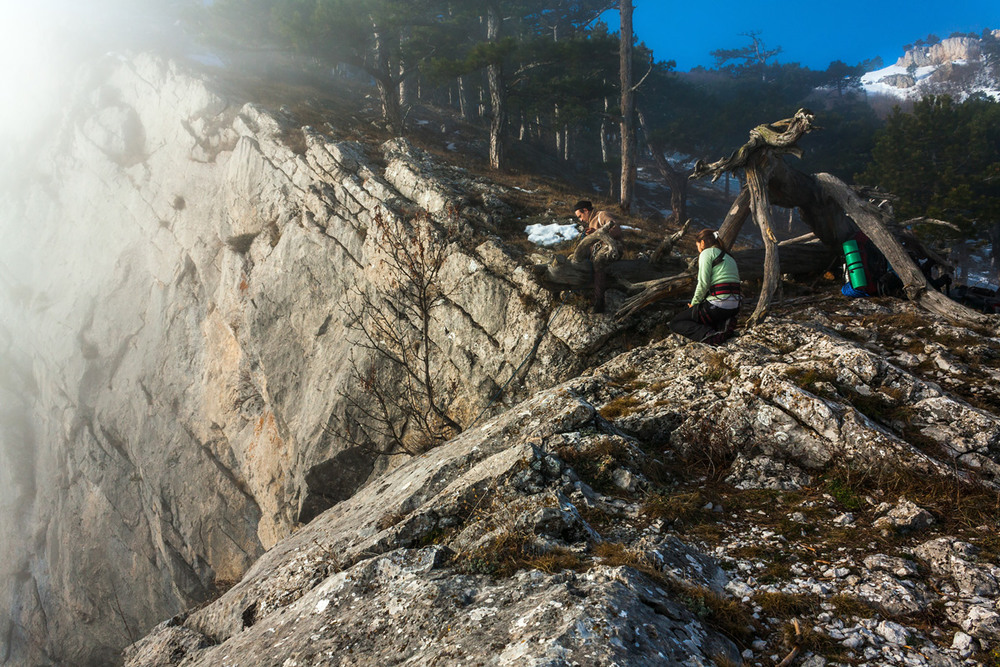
(872, 82)
(553, 234)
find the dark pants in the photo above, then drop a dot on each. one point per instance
(600, 285)
(702, 320)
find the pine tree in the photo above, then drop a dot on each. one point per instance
(943, 161)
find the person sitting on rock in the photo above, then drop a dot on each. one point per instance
(711, 315)
(602, 253)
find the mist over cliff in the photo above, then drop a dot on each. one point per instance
(175, 346)
(179, 278)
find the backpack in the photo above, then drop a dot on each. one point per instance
(864, 264)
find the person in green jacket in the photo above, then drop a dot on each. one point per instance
(711, 315)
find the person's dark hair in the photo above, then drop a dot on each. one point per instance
(711, 240)
(583, 204)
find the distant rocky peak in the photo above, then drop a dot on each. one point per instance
(959, 66)
(946, 51)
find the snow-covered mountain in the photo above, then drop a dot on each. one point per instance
(958, 66)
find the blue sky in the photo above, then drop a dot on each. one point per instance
(811, 33)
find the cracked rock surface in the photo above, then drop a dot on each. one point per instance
(179, 342)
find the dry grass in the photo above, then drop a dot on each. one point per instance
(389, 519)
(717, 367)
(849, 606)
(958, 504)
(905, 320)
(806, 378)
(596, 463)
(989, 658)
(725, 614)
(621, 407)
(684, 506)
(615, 554)
(786, 605)
(512, 551)
(810, 640)
(710, 452)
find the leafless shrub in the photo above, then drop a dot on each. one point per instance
(398, 402)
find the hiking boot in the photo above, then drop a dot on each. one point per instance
(718, 338)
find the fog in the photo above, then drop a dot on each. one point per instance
(43, 44)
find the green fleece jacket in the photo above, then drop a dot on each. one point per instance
(723, 272)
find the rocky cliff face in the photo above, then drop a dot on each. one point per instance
(179, 274)
(176, 345)
(793, 493)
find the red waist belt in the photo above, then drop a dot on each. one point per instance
(720, 289)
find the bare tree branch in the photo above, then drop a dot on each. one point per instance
(400, 408)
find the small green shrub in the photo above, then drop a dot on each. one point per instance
(841, 487)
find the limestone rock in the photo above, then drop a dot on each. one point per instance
(169, 425)
(945, 51)
(356, 582)
(899, 567)
(762, 472)
(905, 516)
(983, 623)
(898, 80)
(952, 558)
(187, 319)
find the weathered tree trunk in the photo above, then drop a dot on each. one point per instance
(463, 99)
(667, 245)
(834, 211)
(627, 193)
(557, 133)
(676, 278)
(605, 144)
(498, 93)
(676, 181)
(582, 250)
(758, 173)
(914, 283)
(995, 248)
(407, 85)
(387, 83)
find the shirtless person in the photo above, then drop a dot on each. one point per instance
(600, 254)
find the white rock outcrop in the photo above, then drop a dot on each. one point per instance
(946, 51)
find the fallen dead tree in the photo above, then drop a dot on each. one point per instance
(577, 272)
(833, 210)
(795, 258)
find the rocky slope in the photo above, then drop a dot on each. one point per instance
(180, 271)
(819, 484)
